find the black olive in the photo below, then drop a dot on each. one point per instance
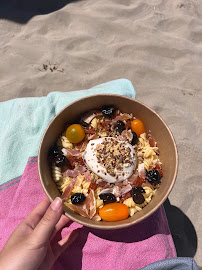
(78, 198)
(137, 190)
(134, 139)
(119, 126)
(60, 161)
(107, 197)
(108, 111)
(54, 151)
(138, 198)
(153, 177)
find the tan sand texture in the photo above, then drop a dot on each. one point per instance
(157, 44)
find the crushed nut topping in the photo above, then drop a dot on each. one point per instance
(113, 155)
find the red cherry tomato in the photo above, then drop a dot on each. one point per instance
(138, 127)
(114, 212)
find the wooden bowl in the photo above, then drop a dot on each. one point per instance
(152, 122)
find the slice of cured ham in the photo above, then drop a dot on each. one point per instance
(125, 196)
(90, 130)
(68, 189)
(79, 209)
(91, 204)
(116, 191)
(96, 218)
(135, 180)
(93, 137)
(141, 171)
(152, 142)
(87, 176)
(75, 172)
(126, 135)
(81, 146)
(71, 173)
(103, 184)
(81, 169)
(71, 152)
(122, 117)
(147, 184)
(125, 189)
(87, 208)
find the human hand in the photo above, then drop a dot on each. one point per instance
(32, 245)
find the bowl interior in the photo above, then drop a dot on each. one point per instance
(152, 122)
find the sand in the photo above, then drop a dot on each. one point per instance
(157, 44)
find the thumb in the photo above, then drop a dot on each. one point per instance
(42, 232)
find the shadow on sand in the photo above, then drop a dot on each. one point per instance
(182, 230)
(21, 11)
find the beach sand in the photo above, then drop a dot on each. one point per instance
(157, 44)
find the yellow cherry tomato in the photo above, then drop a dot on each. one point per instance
(138, 127)
(114, 212)
(75, 133)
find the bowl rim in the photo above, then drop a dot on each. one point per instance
(97, 225)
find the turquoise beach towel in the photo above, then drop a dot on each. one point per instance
(24, 120)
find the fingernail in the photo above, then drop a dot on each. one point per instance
(56, 204)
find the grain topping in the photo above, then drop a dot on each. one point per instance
(113, 155)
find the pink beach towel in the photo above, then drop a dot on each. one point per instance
(131, 248)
